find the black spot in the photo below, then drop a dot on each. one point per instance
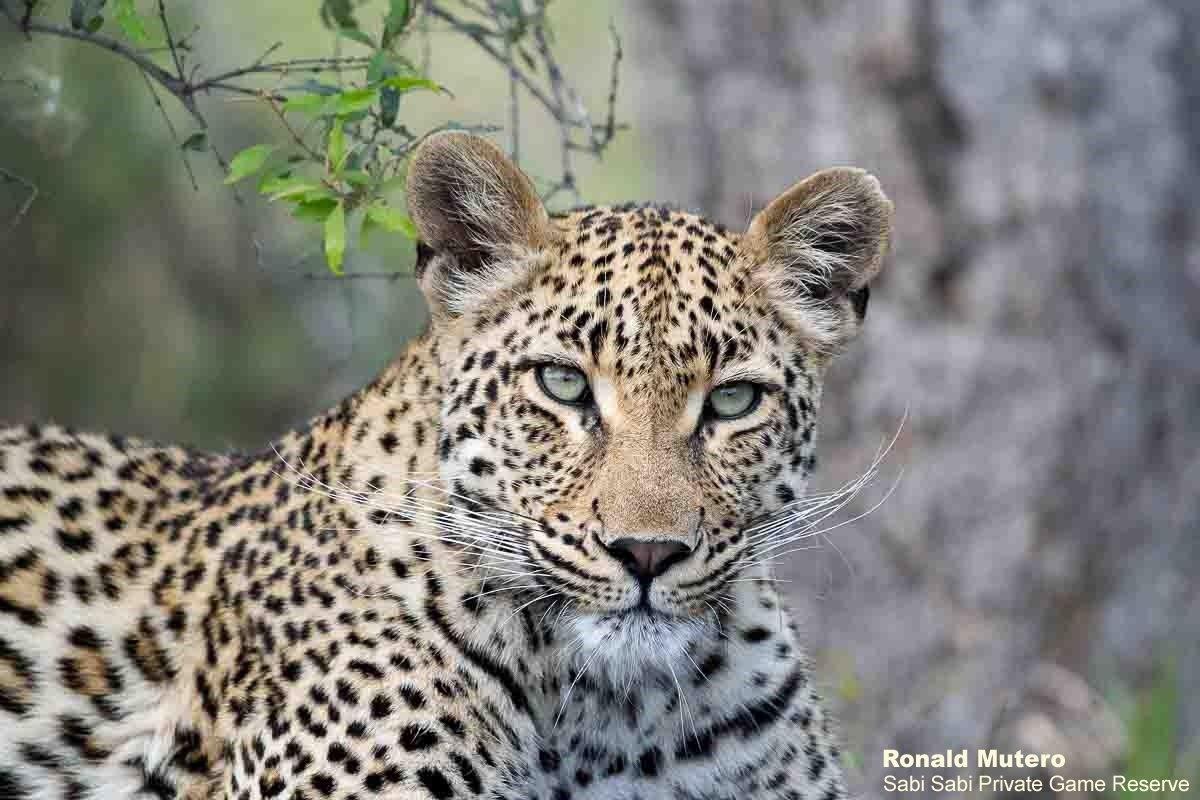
(435, 782)
(417, 737)
(380, 707)
(323, 783)
(11, 788)
(453, 724)
(549, 760)
(756, 634)
(412, 697)
(649, 762)
(467, 770)
(481, 467)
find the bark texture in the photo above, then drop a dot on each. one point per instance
(1039, 320)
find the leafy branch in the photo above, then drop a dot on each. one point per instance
(346, 146)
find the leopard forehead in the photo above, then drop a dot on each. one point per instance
(643, 296)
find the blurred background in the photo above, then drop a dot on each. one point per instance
(1034, 579)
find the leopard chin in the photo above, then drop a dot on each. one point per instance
(621, 648)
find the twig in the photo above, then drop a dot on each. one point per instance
(328, 64)
(467, 30)
(32, 194)
(567, 183)
(175, 57)
(296, 137)
(181, 86)
(369, 276)
(187, 165)
(514, 108)
(174, 85)
(610, 124)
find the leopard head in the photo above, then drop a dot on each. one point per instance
(634, 389)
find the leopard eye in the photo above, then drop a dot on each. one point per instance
(564, 384)
(734, 400)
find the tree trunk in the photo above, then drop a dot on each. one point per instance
(1039, 322)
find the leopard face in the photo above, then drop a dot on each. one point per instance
(629, 393)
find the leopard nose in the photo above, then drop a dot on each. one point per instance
(648, 559)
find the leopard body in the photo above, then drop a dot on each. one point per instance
(430, 591)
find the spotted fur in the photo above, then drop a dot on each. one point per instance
(422, 594)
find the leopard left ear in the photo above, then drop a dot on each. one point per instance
(477, 215)
(818, 246)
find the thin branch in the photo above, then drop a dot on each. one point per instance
(328, 64)
(567, 183)
(514, 108)
(296, 137)
(352, 276)
(474, 35)
(614, 82)
(187, 165)
(175, 57)
(31, 196)
(516, 39)
(181, 86)
(174, 85)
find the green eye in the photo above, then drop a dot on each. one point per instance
(564, 384)
(734, 400)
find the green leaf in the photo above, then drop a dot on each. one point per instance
(397, 19)
(355, 35)
(335, 150)
(380, 68)
(335, 238)
(198, 141)
(356, 176)
(1153, 732)
(95, 24)
(338, 14)
(355, 100)
(319, 209)
(408, 83)
(391, 219)
(131, 22)
(307, 104)
(280, 188)
(248, 162)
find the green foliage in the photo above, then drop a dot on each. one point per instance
(335, 237)
(346, 145)
(248, 162)
(131, 22)
(1155, 750)
(362, 150)
(351, 170)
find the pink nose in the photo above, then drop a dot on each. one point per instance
(647, 560)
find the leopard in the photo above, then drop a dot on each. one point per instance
(531, 559)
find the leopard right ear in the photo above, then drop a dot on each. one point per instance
(817, 247)
(478, 217)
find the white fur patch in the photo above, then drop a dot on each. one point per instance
(622, 648)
